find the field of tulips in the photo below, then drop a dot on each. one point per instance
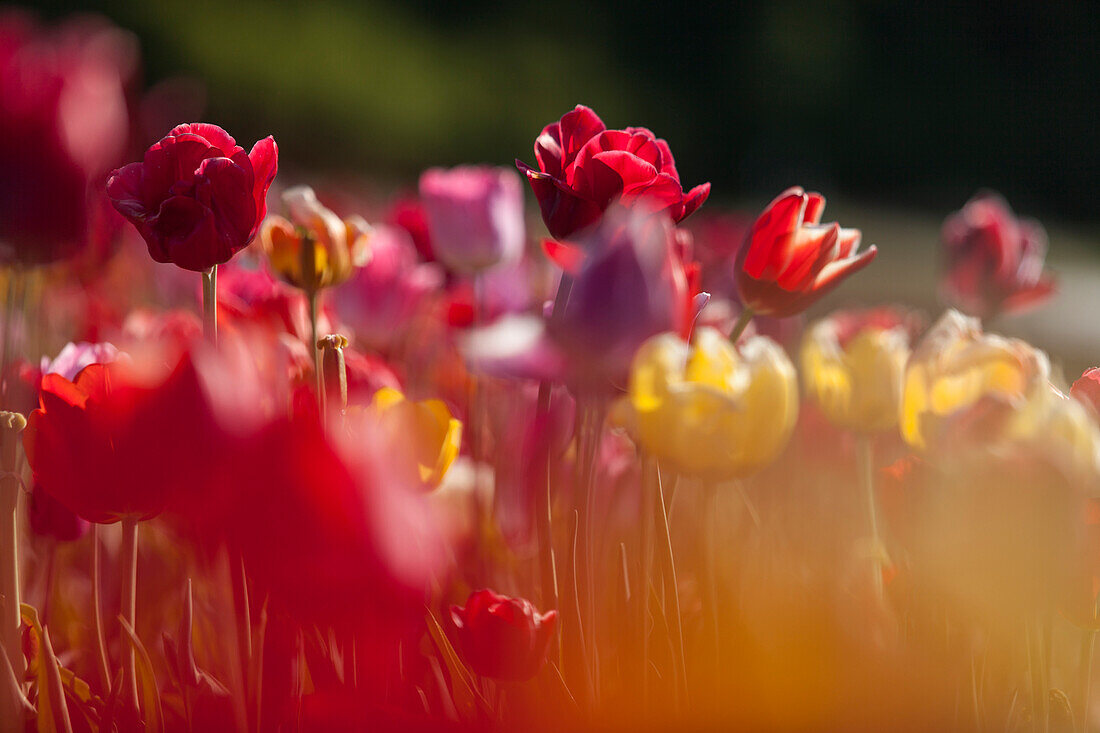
(550, 446)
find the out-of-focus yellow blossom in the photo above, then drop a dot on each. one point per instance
(426, 429)
(853, 364)
(957, 372)
(713, 409)
(315, 249)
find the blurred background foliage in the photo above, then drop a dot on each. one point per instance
(914, 103)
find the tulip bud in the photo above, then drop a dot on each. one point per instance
(712, 408)
(853, 364)
(503, 638)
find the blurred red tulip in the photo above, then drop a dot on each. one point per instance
(119, 439)
(994, 261)
(63, 123)
(503, 638)
(197, 198)
(790, 259)
(324, 528)
(1087, 389)
(584, 167)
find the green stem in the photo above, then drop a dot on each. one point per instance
(210, 304)
(128, 566)
(743, 321)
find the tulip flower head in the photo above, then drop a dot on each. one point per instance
(632, 283)
(434, 434)
(197, 198)
(994, 261)
(958, 376)
(98, 444)
(711, 408)
(475, 216)
(584, 167)
(501, 637)
(790, 259)
(315, 249)
(853, 364)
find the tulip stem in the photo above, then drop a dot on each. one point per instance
(97, 613)
(210, 304)
(314, 297)
(672, 586)
(11, 622)
(128, 566)
(743, 321)
(543, 504)
(866, 453)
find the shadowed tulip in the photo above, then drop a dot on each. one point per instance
(501, 637)
(994, 261)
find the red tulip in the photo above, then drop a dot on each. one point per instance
(197, 198)
(1087, 389)
(327, 531)
(117, 441)
(504, 638)
(790, 259)
(584, 167)
(63, 123)
(994, 261)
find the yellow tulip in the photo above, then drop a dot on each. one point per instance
(712, 409)
(856, 379)
(956, 367)
(426, 429)
(315, 249)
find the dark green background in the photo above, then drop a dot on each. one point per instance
(915, 104)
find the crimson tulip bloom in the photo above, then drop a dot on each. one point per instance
(790, 259)
(584, 167)
(115, 443)
(504, 638)
(197, 198)
(994, 261)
